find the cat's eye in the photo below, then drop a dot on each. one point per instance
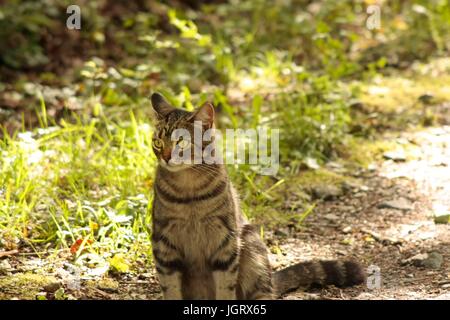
(183, 144)
(157, 143)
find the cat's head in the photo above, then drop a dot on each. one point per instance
(171, 129)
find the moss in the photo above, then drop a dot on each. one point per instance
(319, 177)
(364, 152)
(23, 285)
(396, 94)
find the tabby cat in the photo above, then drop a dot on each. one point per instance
(202, 245)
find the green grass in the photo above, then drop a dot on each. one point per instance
(71, 181)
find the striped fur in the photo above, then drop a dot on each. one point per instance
(317, 274)
(203, 247)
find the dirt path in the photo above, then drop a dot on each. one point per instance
(386, 220)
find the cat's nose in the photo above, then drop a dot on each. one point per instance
(167, 154)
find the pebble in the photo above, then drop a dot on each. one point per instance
(5, 267)
(282, 232)
(441, 214)
(108, 285)
(397, 155)
(432, 260)
(52, 287)
(326, 192)
(426, 98)
(350, 185)
(397, 204)
(331, 217)
(347, 229)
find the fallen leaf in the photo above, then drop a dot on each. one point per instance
(76, 245)
(119, 263)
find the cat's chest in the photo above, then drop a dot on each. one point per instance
(199, 238)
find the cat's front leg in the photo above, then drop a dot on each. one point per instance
(225, 266)
(169, 267)
(170, 285)
(225, 282)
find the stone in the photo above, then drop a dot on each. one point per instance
(397, 155)
(397, 204)
(444, 218)
(331, 217)
(441, 213)
(282, 232)
(326, 192)
(5, 267)
(432, 260)
(52, 287)
(426, 98)
(311, 163)
(108, 285)
(347, 229)
(350, 186)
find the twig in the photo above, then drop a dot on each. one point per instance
(8, 253)
(36, 253)
(102, 293)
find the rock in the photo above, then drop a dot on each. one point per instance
(282, 232)
(364, 188)
(311, 163)
(426, 98)
(366, 296)
(52, 287)
(108, 285)
(416, 259)
(347, 229)
(398, 204)
(445, 296)
(5, 267)
(446, 286)
(444, 218)
(350, 186)
(432, 260)
(378, 237)
(441, 213)
(326, 192)
(397, 155)
(331, 217)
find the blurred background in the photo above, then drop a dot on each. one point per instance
(344, 81)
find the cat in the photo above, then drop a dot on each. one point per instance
(203, 247)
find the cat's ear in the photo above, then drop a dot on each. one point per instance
(160, 105)
(205, 114)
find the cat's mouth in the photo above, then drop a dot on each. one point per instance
(173, 166)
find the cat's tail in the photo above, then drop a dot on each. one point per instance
(305, 275)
